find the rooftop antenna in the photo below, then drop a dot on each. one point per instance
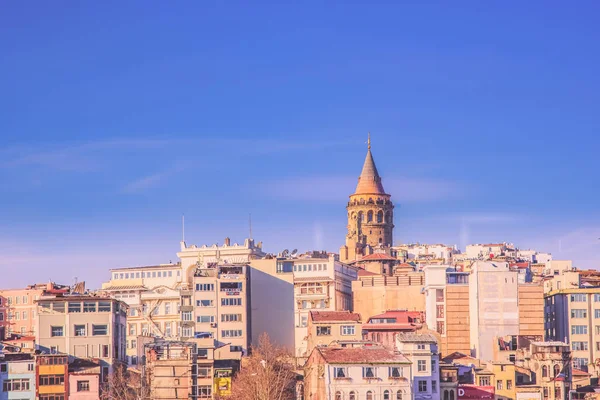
(183, 227)
(250, 224)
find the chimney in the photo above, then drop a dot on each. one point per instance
(227, 241)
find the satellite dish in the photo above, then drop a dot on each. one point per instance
(294, 252)
(285, 253)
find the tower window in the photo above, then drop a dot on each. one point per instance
(380, 217)
(370, 216)
(380, 240)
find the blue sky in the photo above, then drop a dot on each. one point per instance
(117, 118)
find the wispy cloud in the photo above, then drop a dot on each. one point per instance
(146, 182)
(337, 188)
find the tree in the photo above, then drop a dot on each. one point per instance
(267, 374)
(124, 384)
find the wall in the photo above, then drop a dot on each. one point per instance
(375, 295)
(457, 337)
(19, 370)
(94, 384)
(271, 304)
(531, 309)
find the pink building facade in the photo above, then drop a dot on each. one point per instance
(18, 309)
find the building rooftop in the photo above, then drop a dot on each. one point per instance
(549, 344)
(125, 287)
(410, 337)
(361, 355)
(378, 257)
(160, 266)
(313, 279)
(578, 372)
(334, 316)
(84, 366)
(8, 357)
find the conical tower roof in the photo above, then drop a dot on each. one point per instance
(369, 181)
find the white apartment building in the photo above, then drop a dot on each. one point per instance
(357, 373)
(424, 251)
(422, 351)
(283, 291)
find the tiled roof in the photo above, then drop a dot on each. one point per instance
(361, 355)
(416, 337)
(313, 279)
(364, 272)
(456, 356)
(17, 357)
(378, 257)
(401, 316)
(578, 372)
(334, 316)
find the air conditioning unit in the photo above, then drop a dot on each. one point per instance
(213, 325)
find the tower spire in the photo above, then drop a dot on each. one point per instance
(369, 141)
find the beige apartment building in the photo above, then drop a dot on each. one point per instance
(83, 327)
(220, 304)
(325, 327)
(573, 315)
(283, 291)
(471, 310)
(154, 299)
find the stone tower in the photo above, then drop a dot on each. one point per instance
(370, 215)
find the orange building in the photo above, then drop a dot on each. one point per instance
(52, 371)
(17, 309)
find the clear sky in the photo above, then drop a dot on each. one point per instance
(118, 117)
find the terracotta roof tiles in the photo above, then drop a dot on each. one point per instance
(334, 316)
(361, 355)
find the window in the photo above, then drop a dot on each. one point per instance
(104, 306)
(83, 386)
(205, 392)
(24, 315)
(579, 313)
(544, 371)
(15, 385)
(17, 316)
(557, 392)
(303, 320)
(30, 367)
(204, 372)
(79, 330)
(231, 317)
(578, 297)
(421, 365)
(206, 303)
(204, 319)
(233, 301)
(509, 384)
(203, 354)
(56, 331)
(434, 386)
(579, 330)
(484, 381)
(187, 331)
(579, 345)
(1, 316)
(104, 350)
(170, 274)
(323, 330)
(154, 274)
(386, 395)
(231, 333)
(167, 329)
(556, 370)
(186, 316)
(3, 367)
(352, 396)
(235, 348)
(368, 372)
(50, 380)
(596, 313)
(440, 311)
(338, 395)
(422, 386)
(369, 395)
(99, 330)
(74, 307)
(398, 395)
(205, 287)
(596, 297)
(433, 366)
(133, 343)
(395, 372)
(499, 384)
(419, 346)
(348, 330)
(339, 372)
(545, 392)
(53, 349)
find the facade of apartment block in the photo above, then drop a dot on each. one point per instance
(325, 327)
(83, 327)
(17, 376)
(573, 315)
(299, 285)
